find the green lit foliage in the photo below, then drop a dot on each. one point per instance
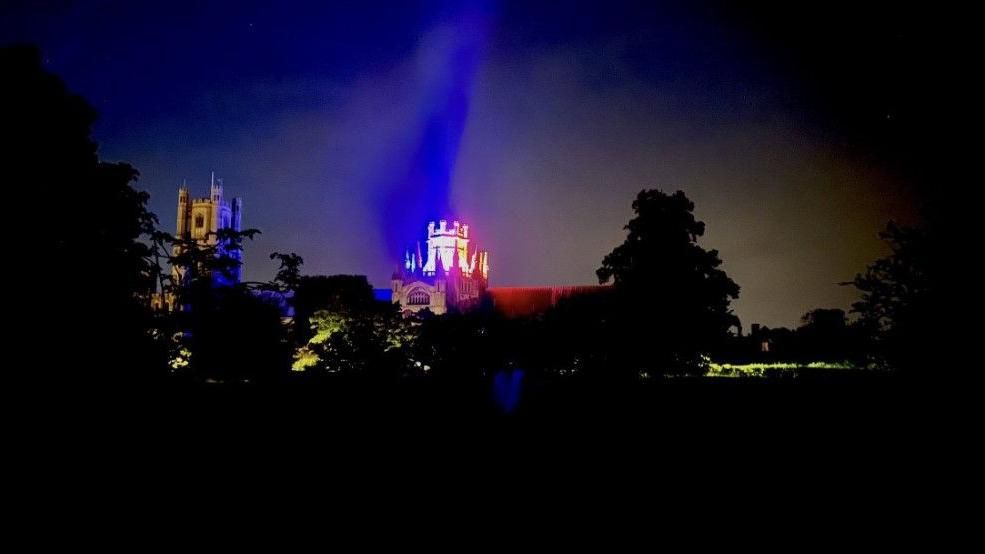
(305, 358)
(326, 323)
(774, 368)
(181, 358)
(348, 294)
(374, 343)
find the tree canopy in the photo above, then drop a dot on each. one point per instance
(674, 300)
(83, 229)
(899, 303)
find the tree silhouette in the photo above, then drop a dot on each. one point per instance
(827, 335)
(288, 277)
(85, 274)
(223, 330)
(197, 265)
(672, 300)
(898, 305)
(233, 335)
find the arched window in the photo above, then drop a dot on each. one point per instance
(199, 221)
(418, 297)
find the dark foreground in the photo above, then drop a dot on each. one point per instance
(825, 438)
(863, 407)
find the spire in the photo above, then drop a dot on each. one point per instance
(420, 259)
(216, 191)
(439, 266)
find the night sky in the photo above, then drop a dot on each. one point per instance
(345, 128)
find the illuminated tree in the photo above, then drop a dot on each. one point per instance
(349, 294)
(375, 343)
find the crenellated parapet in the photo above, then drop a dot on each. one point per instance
(456, 271)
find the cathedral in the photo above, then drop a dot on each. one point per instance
(449, 275)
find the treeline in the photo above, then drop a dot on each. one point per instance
(91, 256)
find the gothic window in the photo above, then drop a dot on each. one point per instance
(199, 221)
(418, 297)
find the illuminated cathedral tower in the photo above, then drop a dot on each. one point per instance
(450, 274)
(200, 219)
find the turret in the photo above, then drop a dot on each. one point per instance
(216, 190)
(454, 272)
(237, 209)
(183, 208)
(396, 281)
(438, 267)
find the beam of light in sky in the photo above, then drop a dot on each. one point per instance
(417, 190)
